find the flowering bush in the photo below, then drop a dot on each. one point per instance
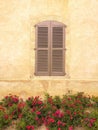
(55, 113)
(91, 120)
(27, 120)
(10, 100)
(5, 119)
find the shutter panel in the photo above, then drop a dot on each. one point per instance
(42, 63)
(42, 51)
(57, 37)
(42, 37)
(57, 51)
(57, 61)
(50, 49)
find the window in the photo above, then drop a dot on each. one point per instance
(50, 49)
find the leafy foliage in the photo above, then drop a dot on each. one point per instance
(4, 119)
(55, 113)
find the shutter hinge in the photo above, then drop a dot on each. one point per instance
(34, 48)
(34, 73)
(65, 49)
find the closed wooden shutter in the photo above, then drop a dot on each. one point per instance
(42, 50)
(50, 49)
(57, 51)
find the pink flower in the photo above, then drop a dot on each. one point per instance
(75, 113)
(86, 119)
(70, 128)
(68, 112)
(59, 128)
(30, 127)
(59, 114)
(50, 100)
(51, 120)
(38, 112)
(92, 120)
(21, 105)
(39, 102)
(59, 123)
(6, 97)
(90, 125)
(63, 124)
(20, 115)
(69, 99)
(6, 116)
(71, 117)
(36, 118)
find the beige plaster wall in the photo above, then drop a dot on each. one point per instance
(84, 39)
(17, 33)
(17, 43)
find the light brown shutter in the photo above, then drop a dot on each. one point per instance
(42, 50)
(57, 65)
(50, 49)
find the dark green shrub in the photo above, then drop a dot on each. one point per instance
(5, 120)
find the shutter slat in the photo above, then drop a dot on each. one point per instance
(57, 61)
(42, 62)
(42, 37)
(57, 37)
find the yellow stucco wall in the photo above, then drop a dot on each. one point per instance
(17, 43)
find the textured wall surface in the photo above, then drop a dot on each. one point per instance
(84, 39)
(17, 43)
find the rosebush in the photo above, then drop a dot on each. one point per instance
(5, 119)
(10, 100)
(55, 113)
(27, 119)
(91, 120)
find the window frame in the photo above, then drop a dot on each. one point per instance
(50, 25)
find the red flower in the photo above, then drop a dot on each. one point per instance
(70, 128)
(21, 105)
(75, 113)
(92, 120)
(38, 112)
(6, 116)
(30, 127)
(59, 123)
(58, 114)
(69, 99)
(90, 125)
(71, 117)
(15, 99)
(6, 97)
(39, 102)
(68, 112)
(20, 116)
(51, 120)
(50, 100)
(36, 118)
